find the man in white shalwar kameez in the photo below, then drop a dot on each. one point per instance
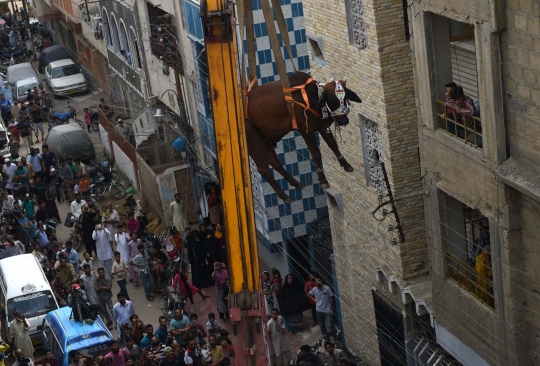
(19, 333)
(121, 238)
(279, 337)
(178, 216)
(103, 248)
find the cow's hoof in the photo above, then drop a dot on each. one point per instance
(300, 186)
(288, 200)
(348, 169)
(325, 185)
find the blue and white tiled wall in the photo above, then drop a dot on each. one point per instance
(286, 221)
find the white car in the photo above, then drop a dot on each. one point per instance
(64, 77)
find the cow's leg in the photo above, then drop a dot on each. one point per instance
(259, 148)
(311, 143)
(276, 164)
(330, 140)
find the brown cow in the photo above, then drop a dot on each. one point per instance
(269, 120)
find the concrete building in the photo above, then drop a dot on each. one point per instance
(461, 182)
(481, 173)
(366, 44)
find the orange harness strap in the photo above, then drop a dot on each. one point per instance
(305, 105)
(245, 92)
(289, 99)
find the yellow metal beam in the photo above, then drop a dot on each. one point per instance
(233, 160)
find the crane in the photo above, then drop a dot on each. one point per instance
(245, 301)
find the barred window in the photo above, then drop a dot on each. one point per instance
(356, 24)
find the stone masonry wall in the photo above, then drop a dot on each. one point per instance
(381, 74)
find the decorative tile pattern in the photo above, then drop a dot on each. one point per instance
(286, 221)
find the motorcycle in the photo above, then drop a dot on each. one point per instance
(98, 187)
(105, 170)
(94, 120)
(59, 118)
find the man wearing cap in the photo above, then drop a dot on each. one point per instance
(123, 129)
(171, 359)
(19, 333)
(78, 301)
(7, 90)
(7, 171)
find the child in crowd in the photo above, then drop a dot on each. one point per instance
(213, 326)
(205, 352)
(87, 260)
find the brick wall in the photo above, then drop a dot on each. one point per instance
(382, 75)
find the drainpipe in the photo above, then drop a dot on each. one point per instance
(503, 92)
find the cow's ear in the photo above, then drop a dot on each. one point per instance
(352, 96)
(322, 101)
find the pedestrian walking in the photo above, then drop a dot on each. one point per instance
(142, 261)
(120, 270)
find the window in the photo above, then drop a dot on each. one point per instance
(108, 33)
(208, 135)
(135, 54)
(115, 35)
(123, 38)
(315, 44)
(163, 36)
(454, 54)
(467, 247)
(355, 23)
(372, 151)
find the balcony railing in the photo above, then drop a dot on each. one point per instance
(470, 132)
(466, 277)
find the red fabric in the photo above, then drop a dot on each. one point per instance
(212, 200)
(179, 285)
(308, 288)
(132, 226)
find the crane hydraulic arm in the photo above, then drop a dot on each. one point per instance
(235, 178)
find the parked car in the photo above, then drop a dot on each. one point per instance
(51, 54)
(23, 73)
(64, 77)
(22, 86)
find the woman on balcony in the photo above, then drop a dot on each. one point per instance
(484, 284)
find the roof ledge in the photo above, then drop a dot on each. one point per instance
(519, 177)
(417, 290)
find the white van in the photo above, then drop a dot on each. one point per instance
(23, 286)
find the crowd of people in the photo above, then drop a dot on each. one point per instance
(121, 251)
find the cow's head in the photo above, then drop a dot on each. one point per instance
(336, 98)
